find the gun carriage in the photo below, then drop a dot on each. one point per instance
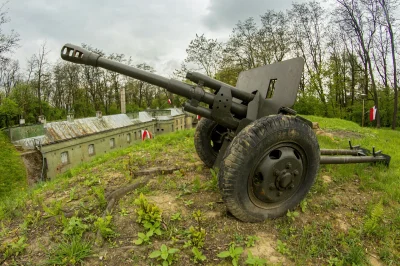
(267, 155)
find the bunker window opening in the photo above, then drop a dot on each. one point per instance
(112, 143)
(91, 150)
(64, 157)
(271, 89)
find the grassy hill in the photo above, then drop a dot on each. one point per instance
(350, 217)
(12, 171)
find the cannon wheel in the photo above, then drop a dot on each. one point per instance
(269, 168)
(208, 140)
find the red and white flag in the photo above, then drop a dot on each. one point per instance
(169, 101)
(146, 134)
(198, 117)
(372, 113)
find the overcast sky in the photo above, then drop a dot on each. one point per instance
(155, 32)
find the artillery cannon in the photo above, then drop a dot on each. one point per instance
(268, 156)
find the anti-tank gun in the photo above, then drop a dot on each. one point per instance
(268, 157)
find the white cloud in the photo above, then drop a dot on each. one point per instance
(155, 32)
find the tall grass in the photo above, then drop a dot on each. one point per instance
(12, 170)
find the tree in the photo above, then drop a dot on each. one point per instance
(389, 8)
(39, 64)
(307, 34)
(359, 19)
(204, 55)
(8, 42)
(275, 33)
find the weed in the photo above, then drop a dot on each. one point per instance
(282, 248)
(176, 216)
(74, 226)
(251, 240)
(13, 248)
(196, 237)
(188, 203)
(198, 255)
(165, 254)
(72, 194)
(99, 192)
(238, 238)
(211, 205)
(123, 212)
(213, 183)
(196, 184)
(256, 261)
(54, 209)
(149, 215)
(292, 215)
(143, 238)
(372, 223)
(233, 252)
(105, 227)
(70, 251)
(31, 219)
(303, 205)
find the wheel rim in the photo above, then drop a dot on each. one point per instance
(218, 134)
(278, 175)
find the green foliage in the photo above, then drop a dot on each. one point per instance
(292, 215)
(9, 108)
(282, 248)
(198, 256)
(373, 221)
(70, 251)
(74, 226)
(256, 261)
(149, 215)
(188, 202)
(144, 238)
(303, 205)
(251, 240)
(176, 216)
(213, 183)
(12, 169)
(104, 225)
(31, 220)
(13, 248)
(166, 255)
(196, 184)
(99, 192)
(233, 253)
(196, 237)
(54, 209)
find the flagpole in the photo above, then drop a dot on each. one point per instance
(363, 110)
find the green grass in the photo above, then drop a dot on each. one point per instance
(12, 171)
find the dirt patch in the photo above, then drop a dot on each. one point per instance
(265, 248)
(33, 161)
(344, 134)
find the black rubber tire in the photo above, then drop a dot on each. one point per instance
(205, 147)
(246, 152)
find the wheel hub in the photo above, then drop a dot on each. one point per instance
(277, 175)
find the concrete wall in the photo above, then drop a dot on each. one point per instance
(78, 149)
(164, 126)
(23, 132)
(179, 122)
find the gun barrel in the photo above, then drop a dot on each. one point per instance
(80, 55)
(216, 85)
